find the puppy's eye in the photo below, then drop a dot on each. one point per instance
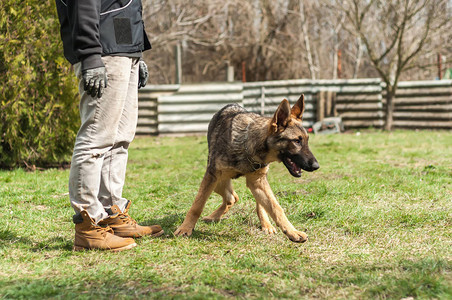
(299, 141)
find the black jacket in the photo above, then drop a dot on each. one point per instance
(92, 28)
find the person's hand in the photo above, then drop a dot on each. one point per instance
(95, 81)
(143, 74)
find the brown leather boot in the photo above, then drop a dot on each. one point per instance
(88, 235)
(123, 225)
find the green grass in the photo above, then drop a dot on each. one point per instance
(378, 214)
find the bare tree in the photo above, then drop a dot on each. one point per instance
(359, 56)
(394, 32)
(305, 34)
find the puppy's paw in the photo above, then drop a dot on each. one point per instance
(211, 220)
(183, 231)
(297, 236)
(268, 228)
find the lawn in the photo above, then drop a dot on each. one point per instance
(378, 213)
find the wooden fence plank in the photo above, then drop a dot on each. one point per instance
(416, 100)
(437, 91)
(423, 124)
(433, 107)
(413, 115)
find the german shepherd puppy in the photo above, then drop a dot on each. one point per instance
(244, 144)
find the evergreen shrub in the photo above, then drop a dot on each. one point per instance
(38, 91)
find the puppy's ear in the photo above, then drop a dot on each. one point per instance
(298, 109)
(281, 117)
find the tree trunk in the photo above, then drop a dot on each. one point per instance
(359, 56)
(335, 61)
(305, 31)
(390, 95)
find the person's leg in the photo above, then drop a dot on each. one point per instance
(115, 160)
(113, 177)
(114, 169)
(100, 119)
(100, 122)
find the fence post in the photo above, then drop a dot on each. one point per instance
(331, 104)
(320, 105)
(262, 100)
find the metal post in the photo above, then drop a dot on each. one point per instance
(229, 73)
(243, 71)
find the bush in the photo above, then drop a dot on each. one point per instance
(38, 91)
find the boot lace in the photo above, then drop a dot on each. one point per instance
(103, 230)
(127, 219)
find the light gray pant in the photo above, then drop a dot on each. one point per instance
(108, 126)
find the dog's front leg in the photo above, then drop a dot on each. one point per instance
(258, 184)
(267, 227)
(207, 185)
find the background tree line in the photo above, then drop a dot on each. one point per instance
(285, 39)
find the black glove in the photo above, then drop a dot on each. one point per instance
(143, 74)
(95, 81)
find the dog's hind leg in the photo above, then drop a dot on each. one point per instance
(267, 227)
(225, 190)
(260, 188)
(207, 185)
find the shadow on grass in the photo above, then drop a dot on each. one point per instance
(9, 238)
(425, 279)
(171, 222)
(106, 287)
(54, 243)
(168, 222)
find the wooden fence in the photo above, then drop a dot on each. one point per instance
(183, 109)
(424, 105)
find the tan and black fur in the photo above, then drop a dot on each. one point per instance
(243, 144)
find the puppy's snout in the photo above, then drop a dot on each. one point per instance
(315, 165)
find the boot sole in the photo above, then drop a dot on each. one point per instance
(79, 248)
